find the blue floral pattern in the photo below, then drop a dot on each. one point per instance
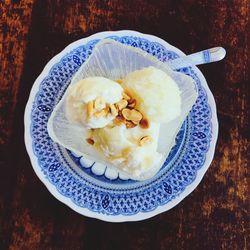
(117, 197)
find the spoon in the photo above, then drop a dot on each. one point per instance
(202, 57)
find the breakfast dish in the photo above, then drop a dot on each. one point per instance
(94, 188)
(117, 122)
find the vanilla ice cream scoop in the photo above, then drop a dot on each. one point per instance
(133, 151)
(87, 101)
(157, 95)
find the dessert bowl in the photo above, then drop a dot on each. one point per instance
(92, 188)
(114, 60)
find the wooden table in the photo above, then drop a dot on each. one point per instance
(216, 214)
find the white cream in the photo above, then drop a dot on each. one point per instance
(88, 90)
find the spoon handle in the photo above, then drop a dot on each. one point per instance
(202, 57)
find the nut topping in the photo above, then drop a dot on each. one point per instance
(132, 115)
(122, 104)
(144, 123)
(119, 120)
(130, 124)
(131, 103)
(125, 96)
(119, 81)
(113, 110)
(99, 103)
(145, 140)
(101, 113)
(136, 122)
(90, 141)
(90, 108)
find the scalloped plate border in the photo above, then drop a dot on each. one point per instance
(84, 211)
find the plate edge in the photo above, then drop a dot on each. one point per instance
(118, 218)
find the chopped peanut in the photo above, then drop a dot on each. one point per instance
(119, 120)
(122, 104)
(113, 110)
(136, 122)
(125, 96)
(90, 108)
(144, 123)
(101, 113)
(131, 103)
(130, 124)
(131, 115)
(145, 140)
(99, 103)
(119, 81)
(90, 141)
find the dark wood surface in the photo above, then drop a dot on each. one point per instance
(216, 214)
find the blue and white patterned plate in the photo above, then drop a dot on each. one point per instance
(98, 192)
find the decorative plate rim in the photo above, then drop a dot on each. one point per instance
(85, 211)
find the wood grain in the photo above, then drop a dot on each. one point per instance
(216, 214)
(14, 26)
